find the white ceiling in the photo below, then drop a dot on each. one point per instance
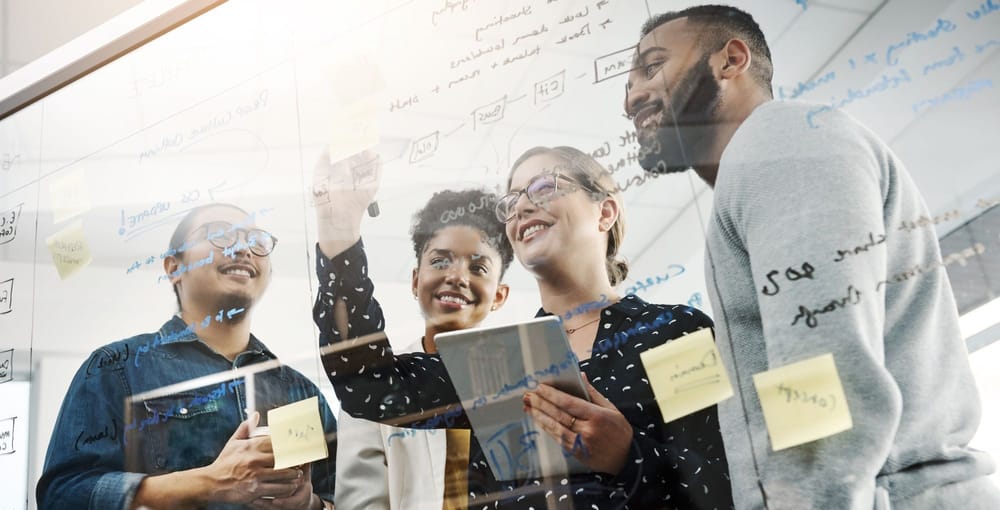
(31, 28)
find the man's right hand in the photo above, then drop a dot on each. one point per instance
(244, 470)
(242, 473)
(341, 193)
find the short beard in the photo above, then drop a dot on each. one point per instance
(239, 302)
(688, 123)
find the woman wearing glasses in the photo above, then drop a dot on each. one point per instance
(562, 206)
(121, 441)
(566, 223)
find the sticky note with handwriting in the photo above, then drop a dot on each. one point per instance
(70, 252)
(686, 374)
(8, 223)
(70, 195)
(297, 435)
(803, 402)
(7, 436)
(6, 366)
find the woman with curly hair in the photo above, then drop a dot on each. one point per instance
(461, 257)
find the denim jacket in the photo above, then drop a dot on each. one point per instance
(101, 448)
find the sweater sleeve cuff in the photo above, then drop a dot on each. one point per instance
(116, 490)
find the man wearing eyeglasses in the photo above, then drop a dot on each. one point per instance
(189, 448)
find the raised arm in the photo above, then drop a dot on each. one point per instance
(410, 390)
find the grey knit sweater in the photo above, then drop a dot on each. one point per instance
(829, 202)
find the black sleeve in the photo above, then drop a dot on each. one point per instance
(411, 390)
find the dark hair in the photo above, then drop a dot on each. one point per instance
(472, 208)
(726, 23)
(584, 167)
(185, 227)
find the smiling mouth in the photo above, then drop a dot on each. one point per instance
(454, 300)
(648, 117)
(532, 229)
(239, 271)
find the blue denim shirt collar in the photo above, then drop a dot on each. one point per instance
(176, 331)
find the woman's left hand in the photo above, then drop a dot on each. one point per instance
(595, 432)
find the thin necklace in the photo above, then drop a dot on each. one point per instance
(570, 331)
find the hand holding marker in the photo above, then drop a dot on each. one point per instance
(355, 126)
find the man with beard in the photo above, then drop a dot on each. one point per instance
(179, 450)
(802, 247)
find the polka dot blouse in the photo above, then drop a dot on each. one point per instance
(680, 464)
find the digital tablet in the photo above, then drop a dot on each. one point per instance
(491, 369)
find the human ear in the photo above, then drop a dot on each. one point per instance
(737, 59)
(500, 297)
(170, 265)
(609, 213)
(413, 282)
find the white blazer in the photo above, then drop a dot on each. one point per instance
(388, 468)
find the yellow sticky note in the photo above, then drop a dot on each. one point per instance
(355, 128)
(361, 96)
(686, 374)
(70, 252)
(297, 435)
(803, 402)
(70, 196)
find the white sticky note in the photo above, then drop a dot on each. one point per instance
(69, 249)
(297, 434)
(686, 374)
(70, 195)
(7, 366)
(6, 296)
(803, 402)
(8, 223)
(7, 436)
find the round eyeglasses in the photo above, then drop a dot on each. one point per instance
(225, 236)
(541, 189)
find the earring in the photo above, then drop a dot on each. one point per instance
(493, 308)
(414, 297)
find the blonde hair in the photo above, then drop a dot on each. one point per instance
(585, 168)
